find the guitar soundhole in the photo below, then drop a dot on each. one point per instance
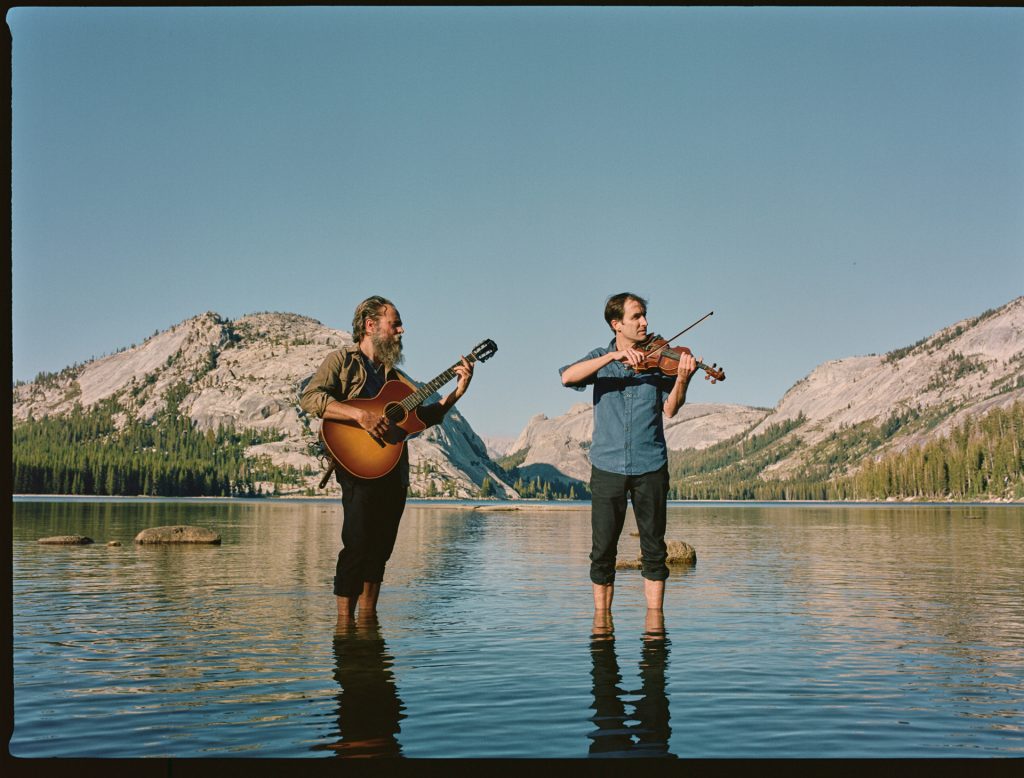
(395, 413)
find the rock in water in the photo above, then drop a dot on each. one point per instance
(67, 540)
(680, 553)
(177, 534)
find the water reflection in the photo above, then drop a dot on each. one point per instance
(644, 731)
(887, 632)
(369, 708)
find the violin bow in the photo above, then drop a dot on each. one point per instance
(687, 329)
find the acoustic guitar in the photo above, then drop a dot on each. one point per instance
(367, 456)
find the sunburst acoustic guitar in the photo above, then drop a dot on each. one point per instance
(365, 455)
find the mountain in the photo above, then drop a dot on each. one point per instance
(248, 373)
(844, 414)
(926, 390)
(497, 447)
(842, 419)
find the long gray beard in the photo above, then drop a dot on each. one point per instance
(388, 350)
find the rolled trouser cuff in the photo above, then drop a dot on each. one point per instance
(655, 573)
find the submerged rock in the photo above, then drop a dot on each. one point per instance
(180, 533)
(114, 543)
(66, 540)
(679, 553)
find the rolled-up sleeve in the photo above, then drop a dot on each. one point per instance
(580, 386)
(431, 414)
(666, 385)
(323, 387)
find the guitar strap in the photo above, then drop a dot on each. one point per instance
(331, 467)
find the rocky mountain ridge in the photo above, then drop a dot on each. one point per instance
(963, 371)
(925, 390)
(249, 373)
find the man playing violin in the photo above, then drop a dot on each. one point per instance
(628, 455)
(372, 508)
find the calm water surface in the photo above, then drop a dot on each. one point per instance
(802, 631)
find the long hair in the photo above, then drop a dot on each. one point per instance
(615, 308)
(370, 308)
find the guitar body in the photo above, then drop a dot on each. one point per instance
(366, 456)
(360, 453)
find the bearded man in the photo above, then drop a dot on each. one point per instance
(372, 508)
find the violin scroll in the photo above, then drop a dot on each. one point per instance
(712, 373)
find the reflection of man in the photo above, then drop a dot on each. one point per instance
(614, 735)
(372, 507)
(628, 455)
(369, 709)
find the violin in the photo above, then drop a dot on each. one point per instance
(658, 356)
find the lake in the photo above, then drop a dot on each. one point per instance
(803, 630)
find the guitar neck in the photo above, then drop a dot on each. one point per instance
(421, 394)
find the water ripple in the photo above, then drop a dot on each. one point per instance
(814, 631)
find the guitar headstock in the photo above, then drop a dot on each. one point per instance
(484, 350)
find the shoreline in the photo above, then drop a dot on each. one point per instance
(499, 506)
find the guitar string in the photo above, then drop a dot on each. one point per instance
(400, 410)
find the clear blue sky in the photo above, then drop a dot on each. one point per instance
(830, 182)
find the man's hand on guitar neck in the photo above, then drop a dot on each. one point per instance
(465, 375)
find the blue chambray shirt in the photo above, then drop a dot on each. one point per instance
(629, 432)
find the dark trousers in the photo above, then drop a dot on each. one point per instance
(609, 492)
(372, 510)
